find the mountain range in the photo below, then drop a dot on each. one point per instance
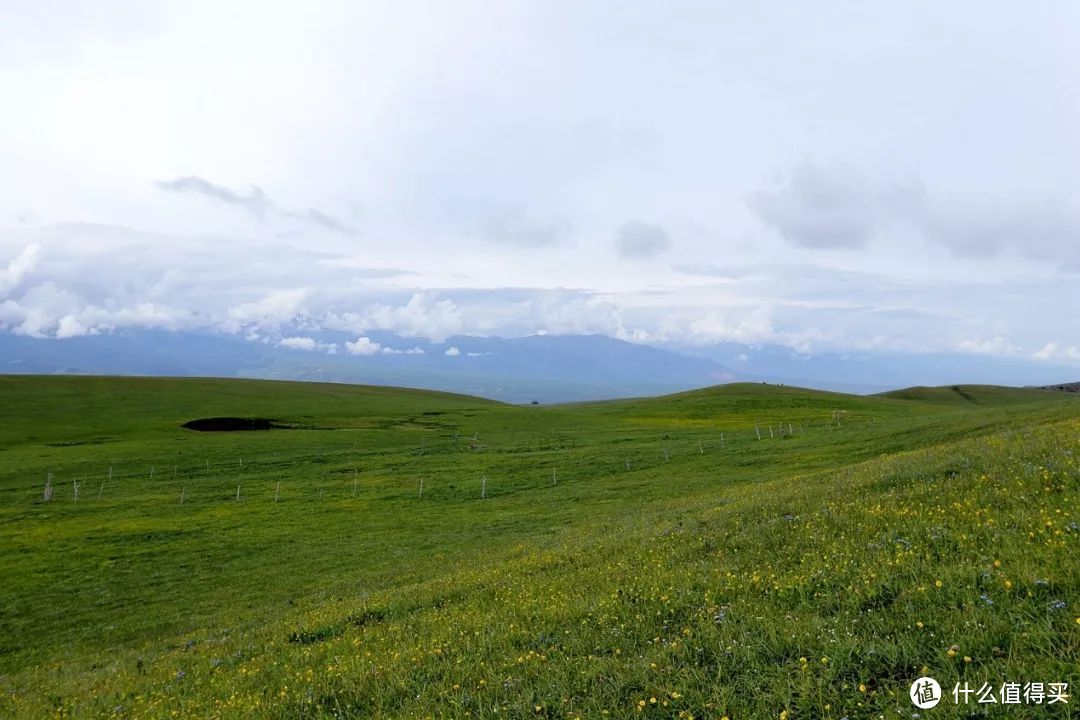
(537, 368)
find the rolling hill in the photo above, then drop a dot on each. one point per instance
(744, 550)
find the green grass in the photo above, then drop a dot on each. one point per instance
(700, 580)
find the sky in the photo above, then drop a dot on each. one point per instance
(894, 176)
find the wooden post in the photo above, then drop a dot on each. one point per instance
(421, 488)
(237, 492)
(627, 463)
(46, 494)
(700, 449)
(182, 491)
(667, 458)
(483, 486)
(277, 492)
(721, 441)
(554, 477)
(151, 472)
(356, 477)
(771, 433)
(75, 491)
(757, 430)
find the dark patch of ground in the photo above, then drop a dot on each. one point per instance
(230, 424)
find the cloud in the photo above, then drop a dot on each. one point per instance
(997, 345)
(746, 327)
(840, 207)
(834, 207)
(637, 239)
(452, 352)
(1043, 229)
(95, 278)
(19, 267)
(730, 272)
(1057, 351)
(515, 230)
(273, 310)
(421, 316)
(328, 221)
(363, 346)
(309, 344)
(255, 201)
(410, 351)
(69, 326)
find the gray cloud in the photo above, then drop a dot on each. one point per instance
(638, 239)
(834, 207)
(255, 201)
(515, 229)
(840, 207)
(330, 222)
(1044, 230)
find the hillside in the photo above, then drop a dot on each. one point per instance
(400, 553)
(972, 395)
(1065, 387)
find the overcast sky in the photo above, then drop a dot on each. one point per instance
(826, 175)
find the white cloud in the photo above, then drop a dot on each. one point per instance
(309, 344)
(363, 346)
(274, 309)
(452, 352)
(421, 316)
(69, 326)
(410, 351)
(19, 267)
(746, 327)
(1056, 351)
(997, 345)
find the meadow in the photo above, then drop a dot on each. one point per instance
(744, 551)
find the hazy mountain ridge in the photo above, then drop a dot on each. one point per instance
(544, 368)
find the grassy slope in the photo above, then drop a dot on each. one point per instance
(604, 573)
(965, 395)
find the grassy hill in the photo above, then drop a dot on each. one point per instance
(396, 553)
(961, 395)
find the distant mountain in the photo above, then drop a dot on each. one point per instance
(544, 368)
(871, 372)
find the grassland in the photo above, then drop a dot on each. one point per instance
(639, 558)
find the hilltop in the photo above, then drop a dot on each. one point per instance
(382, 552)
